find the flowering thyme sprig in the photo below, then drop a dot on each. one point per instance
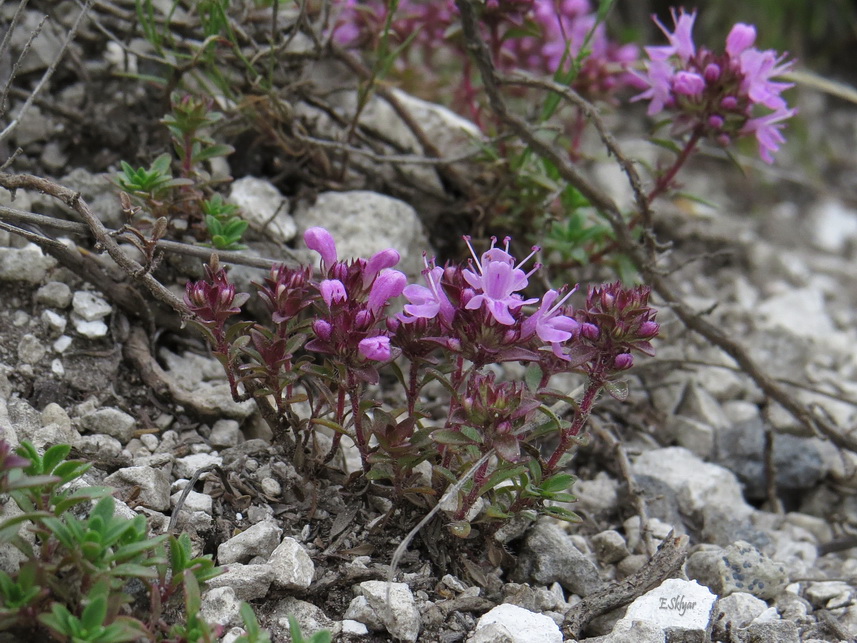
(330, 335)
(716, 96)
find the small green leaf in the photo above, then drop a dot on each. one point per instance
(557, 483)
(618, 389)
(450, 437)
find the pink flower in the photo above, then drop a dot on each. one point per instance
(322, 242)
(758, 67)
(549, 325)
(767, 130)
(681, 41)
(720, 96)
(659, 78)
(740, 38)
(427, 303)
(688, 83)
(378, 262)
(387, 285)
(497, 282)
(332, 291)
(375, 348)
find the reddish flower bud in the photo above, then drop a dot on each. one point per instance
(322, 329)
(623, 361)
(332, 291)
(648, 329)
(375, 348)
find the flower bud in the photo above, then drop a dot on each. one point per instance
(322, 242)
(623, 361)
(712, 72)
(362, 320)
(715, 121)
(322, 329)
(740, 38)
(387, 285)
(332, 291)
(453, 344)
(648, 329)
(381, 260)
(589, 331)
(375, 348)
(688, 83)
(729, 102)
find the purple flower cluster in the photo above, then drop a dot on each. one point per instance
(478, 311)
(532, 35)
(719, 96)
(354, 295)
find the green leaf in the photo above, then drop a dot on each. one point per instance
(617, 390)
(53, 456)
(212, 151)
(561, 513)
(450, 437)
(94, 613)
(472, 433)
(557, 483)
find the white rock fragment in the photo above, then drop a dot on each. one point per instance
(54, 322)
(249, 581)
(31, 350)
(153, 483)
(697, 484)
(220, 606)
(400, 617)
(194, 501)
(834, 225)
(676, 605)
(522, 626)
(355, 628)
(263, 207)
(257, 540)
(89, 329)
(89, 306)
(293, 568)
(54, 294)
(109, 421)
(28, 264)
(225, 433)
(190, 464)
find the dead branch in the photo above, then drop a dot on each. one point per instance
(666, 562)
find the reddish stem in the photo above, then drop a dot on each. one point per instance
(666, 179)
(567, 437)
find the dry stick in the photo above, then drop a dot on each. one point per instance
(626, 243)
(668, 559)
(13, 124)
(175, 247)
(102, 235)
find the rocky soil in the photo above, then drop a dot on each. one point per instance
(698, 457)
